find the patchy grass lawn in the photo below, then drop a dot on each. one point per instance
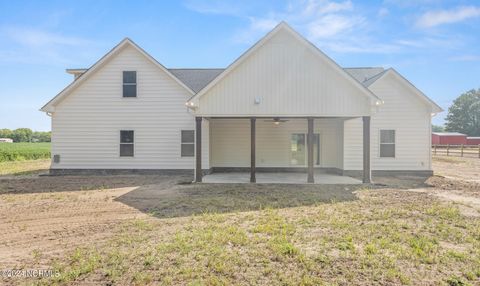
(123, 230)
(24, 167)
(411, 240)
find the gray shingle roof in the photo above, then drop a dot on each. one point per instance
(366, 76)
(196, 79)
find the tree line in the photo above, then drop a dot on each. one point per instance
(463, 115)
(26, 135)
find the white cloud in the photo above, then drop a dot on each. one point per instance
(37, 46)
(331, 25)
(334, 25)
(382, 12)
(440, 17)
(319, 19)
(218, 7)
(36, 38)
(316, 7)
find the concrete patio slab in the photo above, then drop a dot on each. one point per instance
(278, 178)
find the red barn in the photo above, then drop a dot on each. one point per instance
(473, 140)
(452, 138)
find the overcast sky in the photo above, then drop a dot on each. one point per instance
(434, 44)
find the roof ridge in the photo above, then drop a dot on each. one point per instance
(196, 68)
(364, 67)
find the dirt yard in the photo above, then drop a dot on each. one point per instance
(160, 229)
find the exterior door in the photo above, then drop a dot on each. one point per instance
(298, 149)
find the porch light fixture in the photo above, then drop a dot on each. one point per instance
(191, 104)
(276, 120)
(378, 102)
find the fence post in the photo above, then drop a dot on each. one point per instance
(462, 152)
(478, 150)
(448, 148)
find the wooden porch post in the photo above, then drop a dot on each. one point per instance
(310, 178)
(198, 149)
(366, 150)
(252, 150)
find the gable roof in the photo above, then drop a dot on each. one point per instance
(391, 71)
(284, 26)
(50, 106)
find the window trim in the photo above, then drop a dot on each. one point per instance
(187, 143)
(380, 143)
(130, 84)
(319, 149)
(120, 142)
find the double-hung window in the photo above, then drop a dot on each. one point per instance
(188, 143)
(387, 143)
(129, 84)
(126, 143)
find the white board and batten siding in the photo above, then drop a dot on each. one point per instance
(86, 125)
(403, 112)
(289, 79)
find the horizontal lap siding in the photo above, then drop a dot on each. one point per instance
(402, 111)
(86, 125)
(230, 142)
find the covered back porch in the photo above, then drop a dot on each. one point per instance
(293, 150)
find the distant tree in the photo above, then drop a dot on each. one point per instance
(437, 128)
(464, 114)
(22, 135)
(39, 136)
(6, 133)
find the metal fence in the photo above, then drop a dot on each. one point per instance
(457, 150)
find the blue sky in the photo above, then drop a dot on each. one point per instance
(434, 43)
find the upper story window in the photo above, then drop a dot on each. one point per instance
(387, 143)
(129, 84)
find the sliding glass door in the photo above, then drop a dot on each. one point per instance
(298, 149)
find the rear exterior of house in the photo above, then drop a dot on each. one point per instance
(281, 106)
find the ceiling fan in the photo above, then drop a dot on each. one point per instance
(276, 120)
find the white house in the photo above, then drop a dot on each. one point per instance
(281, 106)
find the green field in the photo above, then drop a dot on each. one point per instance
(24, 151)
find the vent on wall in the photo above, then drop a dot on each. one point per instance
(56, 158)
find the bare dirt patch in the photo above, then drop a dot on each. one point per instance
(457, 168)
(123, 230)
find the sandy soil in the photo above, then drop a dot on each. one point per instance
(457, 168)
(46, 216)
(49, 216)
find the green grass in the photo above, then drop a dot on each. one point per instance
(24, 151)
(24, 167)
(385, 238)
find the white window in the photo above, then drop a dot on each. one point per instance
(188, 143)
(129, 84)
(126, 143)
(387, 143)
